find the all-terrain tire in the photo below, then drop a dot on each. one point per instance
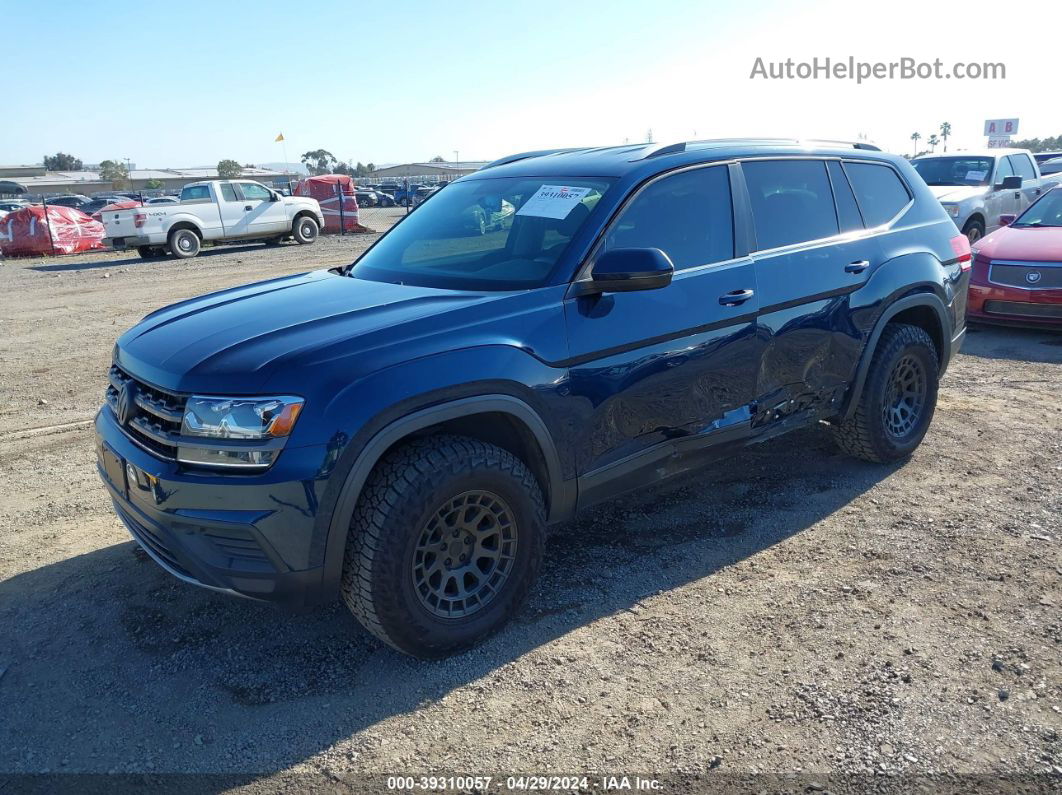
(401, 501)
(866, 434)
(304, 230)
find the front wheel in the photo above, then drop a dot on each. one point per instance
(898, 398)
(305, 230)
(184, 243)
(974, 231)
(444, 545)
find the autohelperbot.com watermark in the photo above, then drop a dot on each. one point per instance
(851, 68)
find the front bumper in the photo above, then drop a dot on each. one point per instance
(991, 303)
(261, 536)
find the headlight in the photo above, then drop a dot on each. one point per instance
(953, 210)
(244, 432)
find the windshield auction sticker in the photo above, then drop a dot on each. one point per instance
(553, 201)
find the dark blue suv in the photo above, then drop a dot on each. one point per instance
(400, 431)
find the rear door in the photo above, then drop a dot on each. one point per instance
(674, 362)
(811, 252)
(231, 206)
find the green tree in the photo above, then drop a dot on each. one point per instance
(154, 184)
(1040, 144)
(438, 159)
(369, 169)
(945, 131)
(319, 161)
(932, 141)
(61, 161)
(914, 137)
(342, 168)
(114, 172)
(229, 169)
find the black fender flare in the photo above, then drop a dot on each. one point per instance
(561, 494)
(929, 299)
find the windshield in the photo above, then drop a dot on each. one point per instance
(486, 234)
(954, 170)
(1046, 212)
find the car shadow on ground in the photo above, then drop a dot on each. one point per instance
(111, 664)
(75, 265)
(1012, 342)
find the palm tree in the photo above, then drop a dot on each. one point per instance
(932, 141)
(945, 131)
(914, 137)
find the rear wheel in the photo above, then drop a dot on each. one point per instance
(898, 399)
(444, 545)
(184, 243)
(304, 230)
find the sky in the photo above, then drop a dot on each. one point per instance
(190, 83)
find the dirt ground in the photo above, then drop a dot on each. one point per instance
(789, 611)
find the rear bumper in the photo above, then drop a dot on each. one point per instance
(133, 241)
(258, 536)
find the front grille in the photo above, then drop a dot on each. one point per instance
(1044, 275)
(154, 422)
(150, 541)
(1021, 309)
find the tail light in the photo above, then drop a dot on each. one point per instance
(960, 244)
(140, 218)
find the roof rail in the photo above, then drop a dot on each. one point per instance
(501, 161)
(682, 146)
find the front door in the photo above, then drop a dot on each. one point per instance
(262, 216)
(681, 361)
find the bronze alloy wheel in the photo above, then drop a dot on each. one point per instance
(464, 554)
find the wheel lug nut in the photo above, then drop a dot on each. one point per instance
(449, 562)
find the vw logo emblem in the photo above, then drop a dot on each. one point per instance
(1032, 277)
(126, 402)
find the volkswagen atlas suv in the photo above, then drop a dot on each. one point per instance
(399, 432)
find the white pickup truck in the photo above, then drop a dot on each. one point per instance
(217, 211)
(976, 187)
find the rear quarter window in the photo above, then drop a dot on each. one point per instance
(880, 191)
(196, 193)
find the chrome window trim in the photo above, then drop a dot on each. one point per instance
(582, 273)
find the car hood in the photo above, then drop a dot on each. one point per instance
(233, 341)
(956, 193)
(1033, 244)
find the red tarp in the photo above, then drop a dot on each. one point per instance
(24, 232)
(98, 215)
(326, 189)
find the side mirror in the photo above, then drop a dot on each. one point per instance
(275, 196)
(1007, 219)
(627, 270)
(1010, 183)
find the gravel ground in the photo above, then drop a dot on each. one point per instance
(790, 611)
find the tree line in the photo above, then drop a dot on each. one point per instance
(321, 161)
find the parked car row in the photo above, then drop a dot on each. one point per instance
(977, 187)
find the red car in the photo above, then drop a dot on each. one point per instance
(1017, 270)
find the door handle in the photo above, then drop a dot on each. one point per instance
(247, 208)
(736, 297)
(1017, 194)
(857, 267)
